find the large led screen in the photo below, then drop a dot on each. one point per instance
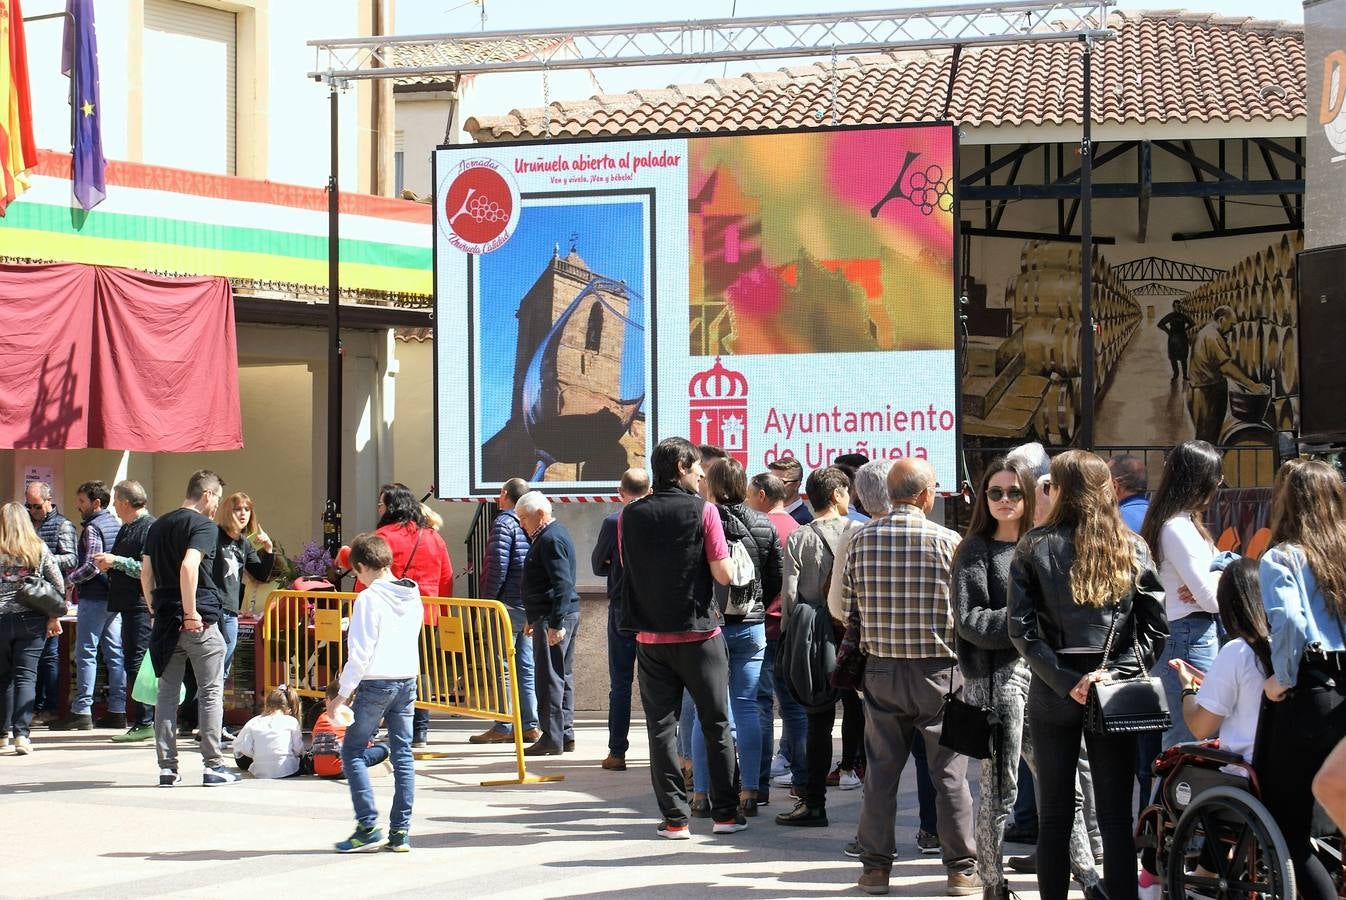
(772, 293)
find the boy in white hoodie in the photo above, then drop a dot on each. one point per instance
(382, 660)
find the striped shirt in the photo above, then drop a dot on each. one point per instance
(898, 578)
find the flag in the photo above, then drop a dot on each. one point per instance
(79, 62)
(18, 150)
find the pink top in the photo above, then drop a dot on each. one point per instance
(717, 548)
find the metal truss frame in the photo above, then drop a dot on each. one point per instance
(716, 40)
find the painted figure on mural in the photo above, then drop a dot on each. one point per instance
(1178, 327)
(1212, 365)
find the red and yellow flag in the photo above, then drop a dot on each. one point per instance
(18, 150)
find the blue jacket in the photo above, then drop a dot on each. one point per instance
(605, 558)
(502, 569)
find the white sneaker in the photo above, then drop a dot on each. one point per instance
(779, 767)
(6, 744)
(23, 745)
(786, 780)
(849, 780)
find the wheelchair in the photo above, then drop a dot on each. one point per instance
(1208, 835)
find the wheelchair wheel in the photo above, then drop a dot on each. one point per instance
(1230, 833)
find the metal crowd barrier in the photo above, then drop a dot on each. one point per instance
(466, 657)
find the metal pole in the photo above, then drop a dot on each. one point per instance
(331, 517)
(1087, 388)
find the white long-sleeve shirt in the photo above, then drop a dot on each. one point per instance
(1187, 556)
(274, 742)
(385, 633)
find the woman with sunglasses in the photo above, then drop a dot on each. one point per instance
(994, 674)
(1183, 551)
(1074, 581)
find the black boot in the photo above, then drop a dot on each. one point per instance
(804, 816)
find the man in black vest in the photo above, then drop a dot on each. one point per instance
(122, 566)
(672, 548)
(96, 629)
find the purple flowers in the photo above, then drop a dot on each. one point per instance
(313, 561)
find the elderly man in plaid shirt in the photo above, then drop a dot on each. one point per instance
(897, 579)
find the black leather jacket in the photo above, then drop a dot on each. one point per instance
(1044, 617)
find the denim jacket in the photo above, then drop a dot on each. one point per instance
(1297, 611)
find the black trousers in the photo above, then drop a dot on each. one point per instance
(135, 641)
(818, 745)
(1057, 724)
(554, 681)
(1296, 735)
(702, 668)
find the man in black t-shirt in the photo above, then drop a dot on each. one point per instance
(176, 571)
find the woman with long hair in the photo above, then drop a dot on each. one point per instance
(744, 633)
(22, 630)
(244, 546)
(419, 553)
(994, 674)
(1074, 580)
(1303, 579)
(1183, 551)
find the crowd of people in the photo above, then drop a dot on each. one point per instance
(1071, 575)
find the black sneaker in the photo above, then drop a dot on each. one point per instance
(220, 775)
(674, 832)
(74, 722)
(804, 816)
(111, 720)
(927, 843)
(852, 849)
(1017, 834)
(1025, 864)
(730, 826)
(169, 778)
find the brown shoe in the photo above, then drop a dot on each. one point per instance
(615, 763)
(532, 735)
(493, 735)
(874, 881)
(964, 885)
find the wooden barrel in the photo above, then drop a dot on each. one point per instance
(1285, 414)
(1285, 259)
(1271, 358)
(1051, 345)
(1047, 292)
(1050, 255)
(1290, 361)
(1057, 416)
(1249, 458)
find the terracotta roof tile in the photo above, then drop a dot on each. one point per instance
(1164, 66)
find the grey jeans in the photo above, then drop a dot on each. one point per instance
(205, 651)
(901, 697)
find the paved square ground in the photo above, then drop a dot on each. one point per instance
(85, 817)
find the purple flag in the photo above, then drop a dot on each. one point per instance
(79, 62)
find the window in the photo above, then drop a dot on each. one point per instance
(190, 86)
(593, 334)
(399, 163)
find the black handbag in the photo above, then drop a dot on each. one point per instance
(970, 730)
(1126, 705)
(37, 593)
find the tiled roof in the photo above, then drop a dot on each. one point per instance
(447, 54)
(1164, 66)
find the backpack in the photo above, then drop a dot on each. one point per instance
(806, 656)
(744, 590)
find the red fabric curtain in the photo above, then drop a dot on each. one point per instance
(117, 359)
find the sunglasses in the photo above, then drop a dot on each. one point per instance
(997, 494)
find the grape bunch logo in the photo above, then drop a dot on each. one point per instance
(480, 205)
(929, 188)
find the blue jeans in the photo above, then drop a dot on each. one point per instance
(96, 629)
(1194, 640)
(22, 635)
(389, 701)
(793, 721)
(685, 719)
(621, 672)
(523, 665)
(49, 677)
(747, 646)
(229, 629)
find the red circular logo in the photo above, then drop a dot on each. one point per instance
(481, 206)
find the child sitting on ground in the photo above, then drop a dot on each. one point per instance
(271, 745)
(325, 754)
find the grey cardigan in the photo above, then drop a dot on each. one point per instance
(981, 584)
(810, 556)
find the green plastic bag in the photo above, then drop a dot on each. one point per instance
(146, 688)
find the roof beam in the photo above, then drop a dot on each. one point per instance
(720, 40)
(1129, 190)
